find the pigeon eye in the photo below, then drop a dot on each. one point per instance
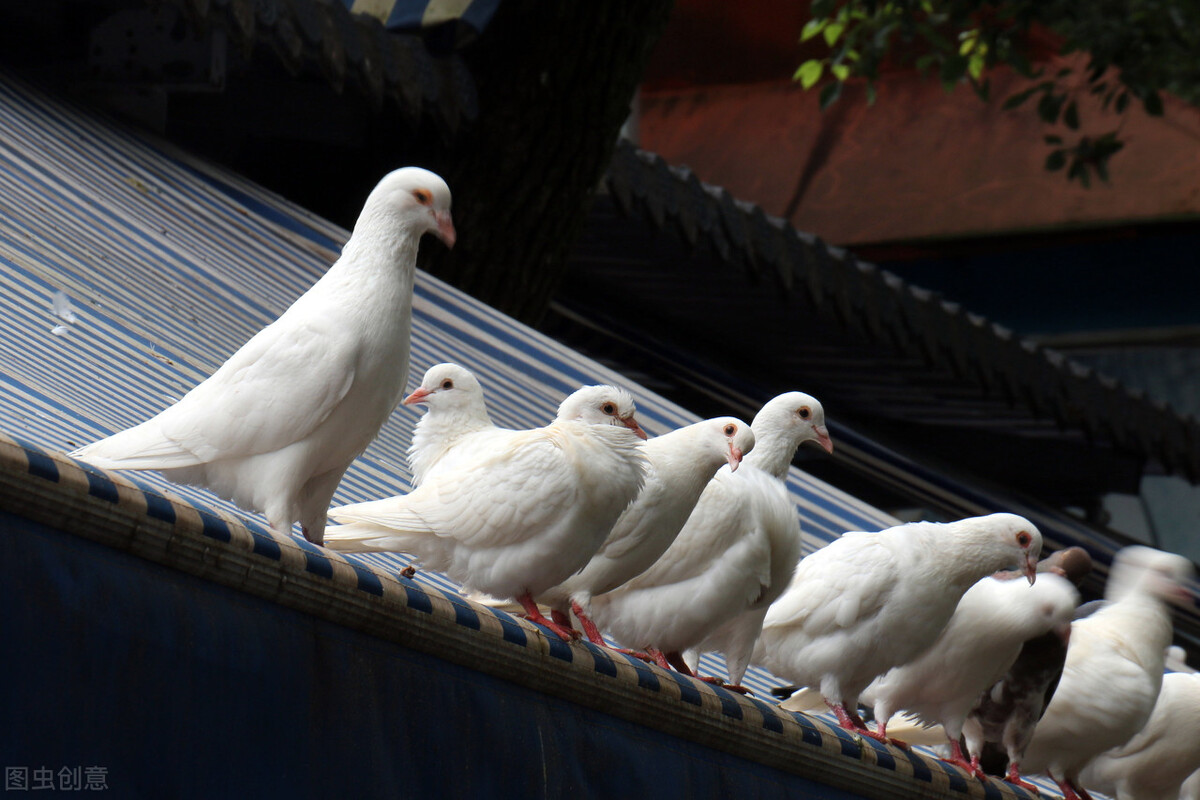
(447, 384)
(609, 408)
(730, 430)
(423, 196)
(804, 412)
(1023, 539)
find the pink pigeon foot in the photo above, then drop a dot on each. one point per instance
(733, 687)
(534, 614)
(589, 628)
(1014, 777)
(851, 721)
(958, 759)
(675, 659)
(658, 657)
(1070, 789)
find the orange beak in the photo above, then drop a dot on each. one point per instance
(632, 424)
(417, 396)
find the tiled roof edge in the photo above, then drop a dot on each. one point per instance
(892, 312)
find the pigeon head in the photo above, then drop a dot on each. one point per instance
(414, 199)
(1055, 600)
(1144, 570)
(731, 437)
(601, 405)
(447, 386)
(1013, 537)
(1073, 563)
(796, 418)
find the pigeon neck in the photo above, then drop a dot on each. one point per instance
(771, 454)
(380, 239)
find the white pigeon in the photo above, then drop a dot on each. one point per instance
(1114, 668)
(277, 425)
(871, 601)
(735, 553)
(456, 419)
(1001, 724)
(682, 463)
(976, 648)
(519, 519)
(1154, 764)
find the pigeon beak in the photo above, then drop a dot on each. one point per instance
(735, 457)
(418, 396)
(1031, 568)
(445, 228)
(823, 438)
(632, 424)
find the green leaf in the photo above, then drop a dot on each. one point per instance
(1153, 104)
(829, 94)
(840, 71)
(832, 31)
(1071, 116)
(809, 73)
(975, 66)
(1056, 160)
(812, 28)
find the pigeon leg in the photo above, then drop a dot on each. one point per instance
(562, 618)
(675, 659)
(658, 657)
(959, 760)
(1014, 777)
(589, 627)
(534, 615)
(1070, 789)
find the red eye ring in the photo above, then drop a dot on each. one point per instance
(1024, 539)
(423, 196)
(730, 429)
